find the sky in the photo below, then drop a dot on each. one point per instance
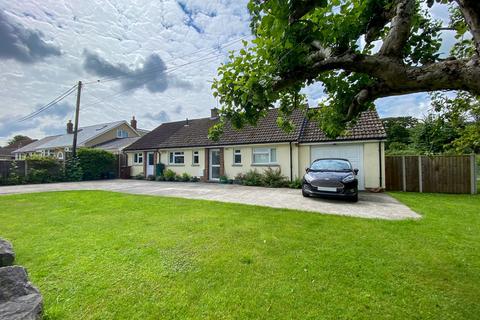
(156, 60)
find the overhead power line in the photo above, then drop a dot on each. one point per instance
(168, 71)
(48, 105)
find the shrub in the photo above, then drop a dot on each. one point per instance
(139, 176)
(239, 178)
(73, 171)
(252, 178)
(185, 177)
(13, 176)
(194, 179)
(151, 177)
(295, 183)
(273, 178)
(169, 175)
(39, 176)
(96, 163)
(44, 169)
(160, 178)
(223, 179)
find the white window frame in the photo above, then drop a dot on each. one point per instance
(122, 133)
(195, 153)
(264, 151)
(138, 158)
(235, 153)
(60, 155)
(172, 155)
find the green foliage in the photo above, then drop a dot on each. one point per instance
(44, 169)
(73, 170)
(169, 175)
(151, 177)
(223, 179)
(295, 183)
(160, 178)
(18, 138)
(185, 177)
(94, 253)
(252, 178)
(96, 163)
(194, 179)
(14, 177)
(399, 130)
(284, 48)
(273, 178)
(139, 176)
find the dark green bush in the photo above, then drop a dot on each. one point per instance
(151, 177)
(273, 178)
(39, 176)
(252, 178)
(44, 169)
(72, 170)
(96, 163)
(160, 178)
(169, 175)
(185, 177)
(223, 179)
(194, 179)
(295, 183)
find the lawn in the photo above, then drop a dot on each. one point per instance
(101, 255)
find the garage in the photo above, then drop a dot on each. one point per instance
(352, 152)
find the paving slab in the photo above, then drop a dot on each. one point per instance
(370, 205)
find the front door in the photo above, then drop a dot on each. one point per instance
(150, 163)
(214, 170)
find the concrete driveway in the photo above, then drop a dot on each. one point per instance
(370, 205)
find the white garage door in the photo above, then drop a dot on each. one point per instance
(352, 152)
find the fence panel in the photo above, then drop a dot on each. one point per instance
(393, 173)
(444, 174)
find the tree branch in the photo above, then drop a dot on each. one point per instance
(299, 8)
(471, 12)
(400, 29)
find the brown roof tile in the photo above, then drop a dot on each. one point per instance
(368, 126)
(195, 134)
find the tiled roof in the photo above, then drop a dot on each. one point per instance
(368, 126)
(117, 144)
(65, 140)
(195, 134)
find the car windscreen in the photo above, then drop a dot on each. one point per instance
(331, 165)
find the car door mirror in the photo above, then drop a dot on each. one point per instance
(356, 171)
(307, 170)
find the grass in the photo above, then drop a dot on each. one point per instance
(101, 255)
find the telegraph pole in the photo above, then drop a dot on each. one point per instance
(77, 111)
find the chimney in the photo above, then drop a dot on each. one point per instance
(214, 113)
(70, 127)
(186, 123)
(133, 123)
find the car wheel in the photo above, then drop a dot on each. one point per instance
(304, 193)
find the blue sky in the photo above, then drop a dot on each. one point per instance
(48, 45)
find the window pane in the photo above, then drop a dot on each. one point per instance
(179, 159)
(260, 158)
(215, 172)
(171, 158)
(260, 150)
(238, 158)
(273, 155)
(215, 157)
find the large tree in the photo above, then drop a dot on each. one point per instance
(360, 50)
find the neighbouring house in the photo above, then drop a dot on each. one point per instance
(112, 137)
(6, 153)
(184, 146)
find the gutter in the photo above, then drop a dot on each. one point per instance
(291, 164)
(380, 163)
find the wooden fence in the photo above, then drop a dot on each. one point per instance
(6, 167)
(444, 174)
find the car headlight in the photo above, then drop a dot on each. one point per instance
(348, 178)
(308, 178)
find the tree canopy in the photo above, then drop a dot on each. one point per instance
(359, 50)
